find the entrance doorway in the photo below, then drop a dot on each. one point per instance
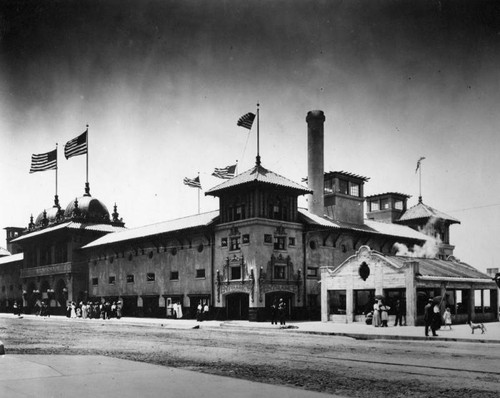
(237, 306)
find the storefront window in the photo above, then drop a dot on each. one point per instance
(337, 302)
(363, 301)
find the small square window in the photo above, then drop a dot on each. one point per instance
(223, 242)
(279, 272)
(398, 205)
(312, 272)
(150, 277)
(112, 280)
(268, 238)
(200, 273)
(95, 281)
(174, 275)
(279, 243)
(235, 243)
(374, 206)
(291, 241)
(246, 239)
(384, 204)
(236, 272)
(354, 189)
(130, 278)
(343, 186)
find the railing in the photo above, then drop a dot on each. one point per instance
(53, 269)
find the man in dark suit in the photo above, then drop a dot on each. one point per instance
(428, 318)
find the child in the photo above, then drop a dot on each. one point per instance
(447, 317)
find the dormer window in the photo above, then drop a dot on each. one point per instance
(354, 189)
(329, 185)
(344, 186)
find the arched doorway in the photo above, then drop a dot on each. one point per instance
(237, 306)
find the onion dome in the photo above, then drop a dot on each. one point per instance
(49, 216)
(88, 208)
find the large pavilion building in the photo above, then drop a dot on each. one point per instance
(258, 246)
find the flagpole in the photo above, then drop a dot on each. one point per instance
(199, 189)
(420, 183)
(57, 166)
(87, 154)
(236, 168)
(258, 153)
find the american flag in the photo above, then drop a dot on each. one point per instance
(246, 121)
(76, 146)
(193, 183)
(225, 172)
(44, 161)
(418, 163)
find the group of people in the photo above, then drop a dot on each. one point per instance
(96, 310)
(379, 316)
(278, 311)
(202, 312)
(433, 319)
(42, 308)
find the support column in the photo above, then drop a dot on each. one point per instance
(349, 310)
(324, 295)
(412, 267)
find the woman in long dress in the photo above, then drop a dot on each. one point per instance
(73, 310)
(376, 314)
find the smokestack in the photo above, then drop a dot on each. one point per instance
(315, 161)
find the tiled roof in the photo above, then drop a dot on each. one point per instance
(388, 194)
(347, 174)
(198, 220)
(369, 226)
(421, 210)
(71, 225)
(443, 268)
(395, 230)
(258, 174)
(11, 259)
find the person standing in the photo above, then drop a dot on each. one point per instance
(376, 314)
(399, 313)
(447, 317)
(17, 309)
(384, 314)
(429, 318)
(199, 311)
(205, 311)
(274, 312)
(119, 307)
(282, 312)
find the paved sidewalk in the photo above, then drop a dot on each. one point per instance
(82, 376)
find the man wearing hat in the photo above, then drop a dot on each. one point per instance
(428, 318)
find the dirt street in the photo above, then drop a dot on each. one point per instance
(344, 366)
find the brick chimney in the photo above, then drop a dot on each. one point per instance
(315, 161)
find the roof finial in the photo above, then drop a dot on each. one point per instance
(87, 189)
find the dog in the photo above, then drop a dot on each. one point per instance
(478, 326)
